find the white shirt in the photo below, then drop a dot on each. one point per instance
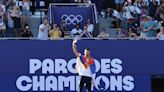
(161, 37)
(138, 10)
(143, 35)
(3, 8)
(75, 31)
(90, 28)
(26, 5)
(127, 13)
(116, 14)
(81, 70)
(43, 35)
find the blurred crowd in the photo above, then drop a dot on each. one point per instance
(134, 19)
(12, 18)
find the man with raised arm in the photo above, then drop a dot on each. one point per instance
(85, 68)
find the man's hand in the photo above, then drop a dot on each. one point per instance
(74, 47)
(74, 42)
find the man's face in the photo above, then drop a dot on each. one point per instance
(85, 27)
(129, 2)
(45, 22)
(87, 52)
(88, 21)
(54, 26)
(77, 26)
(27, 27)
(162, 29)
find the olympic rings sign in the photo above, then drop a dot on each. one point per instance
(72, 19)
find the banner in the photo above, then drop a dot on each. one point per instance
(72, 15)
(124, 66)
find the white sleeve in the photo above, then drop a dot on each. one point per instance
(72, 32)
(41, 27)
(90, 28)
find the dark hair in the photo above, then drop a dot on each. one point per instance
(78, 24)
(25, 25)
(87, 49)
(163, 24)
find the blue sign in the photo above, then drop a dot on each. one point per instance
(50, 65)
(72, 15)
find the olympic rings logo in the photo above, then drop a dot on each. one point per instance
(72, 19)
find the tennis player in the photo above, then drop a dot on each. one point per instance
(85, 67)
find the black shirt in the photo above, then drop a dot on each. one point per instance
(152, 8)
(26, 34)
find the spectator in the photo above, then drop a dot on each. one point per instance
(90, 26)
(119, 4)
(113, 13)
(43, 30)
(33, 8)
(63, 26)
(86, 33)
(4, 2)
(159, 24)
(16, 16)
(10, 26)
(138, 7)
(10, 22)
(26, 32)
(120, 33)
(158, 1)
(159, 15)
(144, 10)
(55, 33)
(3, 7)
(129, 10)
(47, 2)
(134, 27)
(150, 28)
(2, 24)
(139, 3)
(152, 8)
(144, 20)
(87, 2)
(160, 35)
(103, 34)
(10, 4)
(146, 2)
(76, 31)
(25, 10)
(133, 36)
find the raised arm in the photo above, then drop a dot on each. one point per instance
(74, 47)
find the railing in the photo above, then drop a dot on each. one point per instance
(35, 38)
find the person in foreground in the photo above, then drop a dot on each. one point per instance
(85, 67)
